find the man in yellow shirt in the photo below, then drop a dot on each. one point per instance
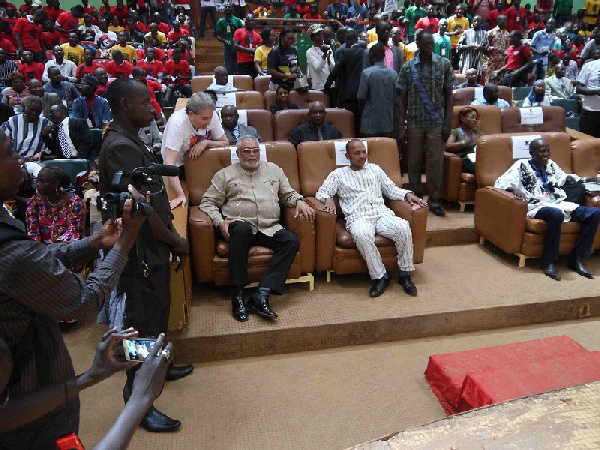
(372, 35)
(73, 51)
(158, 39)
(592, 8)
(456, 25)
(129, 53)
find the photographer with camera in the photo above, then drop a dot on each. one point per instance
(319, 58)
(36, 289)
(145, 280)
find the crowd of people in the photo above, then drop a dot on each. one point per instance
(112, 70)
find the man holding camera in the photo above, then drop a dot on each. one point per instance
(145, 279)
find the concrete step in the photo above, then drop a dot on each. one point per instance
(207, 66)
(213, 58)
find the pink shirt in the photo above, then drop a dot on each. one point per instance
(388, 59)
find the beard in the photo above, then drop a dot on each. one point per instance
(250, 164)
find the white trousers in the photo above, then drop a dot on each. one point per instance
(363, 232)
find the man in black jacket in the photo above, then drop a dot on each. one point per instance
(68, 137)
(346, 74)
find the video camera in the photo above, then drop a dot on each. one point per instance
(143, 180)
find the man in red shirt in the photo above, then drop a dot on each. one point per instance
(50, 37)
(31, 69)
(246, 41)
(176, 33)
(68, 22)
(103, 82)
(178, 75)
(105, 9)
(149, 65)
(162, 27)
(53, 9)
(153, 87)
(313, 12)
(28, 34)
(7, 46)
(27, 7)
(428, 22)
(302, 9)
(121, 11)
(148, 42)
(492, 17)
(86, 8)
(118, 67)
(516, 17)
(140, 25)
(184, 45)
(536, 24)
(519, 61)
(89, 65)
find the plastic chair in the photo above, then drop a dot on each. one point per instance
(71, 167)
(569, 104)
(519, 93)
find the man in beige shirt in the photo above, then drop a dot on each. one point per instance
(243, 204)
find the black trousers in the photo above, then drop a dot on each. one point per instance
(284, 245)
(468, 166)
(588, 217)
(588, 122)
(247, 68)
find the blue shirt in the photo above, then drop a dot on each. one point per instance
(66, 90)
(354, 13)
(501, 103)
(540, 42)
(100, 111)
(337, 11)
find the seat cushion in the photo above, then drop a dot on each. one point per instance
(257, 250)
(539, 226)
(343, 238)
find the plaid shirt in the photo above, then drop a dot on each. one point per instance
(442, 76)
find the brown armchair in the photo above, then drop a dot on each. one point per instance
(501, 218)
(209, 253)
(285, 121)
(554, 120)
(201, 82)
(460, 187)
(300, 99)
(243, 100)
(586, 163)
(465, 96)
(335, 248)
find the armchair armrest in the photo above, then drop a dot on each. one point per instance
(500, 218)
(202, 243)
(452, 176)
(592, 199)
(306, 234)
(325, 235)
(417, 218)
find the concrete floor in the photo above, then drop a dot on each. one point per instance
(328, 399)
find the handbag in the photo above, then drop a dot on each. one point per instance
(301, 83)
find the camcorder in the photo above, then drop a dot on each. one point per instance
(144, 180)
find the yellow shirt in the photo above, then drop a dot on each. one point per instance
(160, 36)
(592, 7)
(372, 35)
(116, 29)
(261, 54)
(453, 22)
(129, 53)
(74, 54)
(408, 50)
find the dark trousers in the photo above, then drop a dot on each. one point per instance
(230, 60)
(147, 306)
(588, 217)
(352, 105)
(39, 57)
(284, 245)
(247, 68)
(204, 10)
(468, 166)
(588, 122)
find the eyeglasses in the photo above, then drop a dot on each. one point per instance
(250, 151)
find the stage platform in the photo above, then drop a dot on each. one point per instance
(463, 288)
(562, 419)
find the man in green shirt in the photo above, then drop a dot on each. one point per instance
(562, 11)
(413, 14)
(441, 42)
(224, 30)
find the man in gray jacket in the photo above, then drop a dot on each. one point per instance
(243, 204)
(233, 129)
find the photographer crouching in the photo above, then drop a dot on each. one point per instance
(36, 289)
(145, 279)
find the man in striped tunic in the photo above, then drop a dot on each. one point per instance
(25, 129)
(360, 188)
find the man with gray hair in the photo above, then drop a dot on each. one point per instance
(25, 129)
(193, 129)
(243, 204)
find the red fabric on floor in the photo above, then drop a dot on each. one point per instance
(446, 373)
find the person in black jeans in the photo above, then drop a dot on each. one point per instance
(207, 7)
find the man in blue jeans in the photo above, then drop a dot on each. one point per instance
(540, 182)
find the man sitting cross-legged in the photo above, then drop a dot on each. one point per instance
(360, 188)
(243, 204)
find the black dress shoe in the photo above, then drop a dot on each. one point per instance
(259, 303)
(237, 306)
(577, 265)
(409, 287)
(175, 373)
(379, 286)
(157, 422)
(438, 210)
(549, 270)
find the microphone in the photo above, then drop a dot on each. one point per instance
(164, 170)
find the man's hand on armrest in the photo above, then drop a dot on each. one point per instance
(412, 199)
(304, 211)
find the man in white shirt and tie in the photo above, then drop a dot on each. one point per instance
(360, 188)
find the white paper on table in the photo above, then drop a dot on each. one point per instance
(478, 93)
(521, 145)
(532, 116)
(235, 159)
(227, 98)
(243, 119)
(340, 152)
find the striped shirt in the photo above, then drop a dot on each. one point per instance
(26, 137)
(35, 279)
(361, 191)
(7, 67)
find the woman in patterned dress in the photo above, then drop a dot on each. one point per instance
(498, 42)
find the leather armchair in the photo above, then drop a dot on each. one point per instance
(335, 249)
(301, 100)
(243, 100)
(586, 163)
(201, 82)
(501, 218)
(554, 120)
(460, 187)
(285, 121)
(261, 83)
(465, 96)
(209, 251)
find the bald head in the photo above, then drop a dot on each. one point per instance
(316, 113)
(221, 75)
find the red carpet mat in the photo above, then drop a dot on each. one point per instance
(502, 372)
